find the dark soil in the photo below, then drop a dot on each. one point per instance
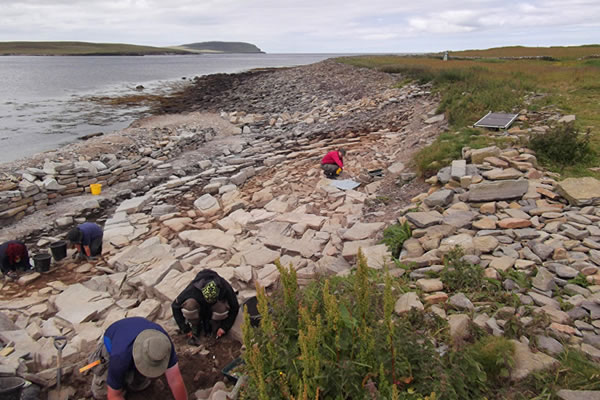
(62, 271)
(200, 371)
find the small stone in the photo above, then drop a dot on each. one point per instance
(549, 345)
(436, 298)
(28, 278)
(430, 285)
(407, 302)
(461, 302)
(459, 326)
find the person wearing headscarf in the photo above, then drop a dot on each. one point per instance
(206, 304)
(13, 256)
(87, 239)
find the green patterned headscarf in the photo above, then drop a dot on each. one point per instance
(210, 291)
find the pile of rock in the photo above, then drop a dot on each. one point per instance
(34, 188)
(234, 217)
(507, 214)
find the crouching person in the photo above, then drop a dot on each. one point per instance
(87, 239)
(133, 351)
(13, 257)
(207, 304)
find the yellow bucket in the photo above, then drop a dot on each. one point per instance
(96, 188)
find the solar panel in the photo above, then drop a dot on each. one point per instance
(496, 120)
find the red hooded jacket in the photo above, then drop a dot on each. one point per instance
(333, 157)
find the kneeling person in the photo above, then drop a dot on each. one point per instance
(133, 351)
(207, 303)
(13, 256)
(87, 239)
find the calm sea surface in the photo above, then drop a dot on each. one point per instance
(45, 101)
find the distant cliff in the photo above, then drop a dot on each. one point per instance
(221, 47)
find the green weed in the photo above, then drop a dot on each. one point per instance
(459, 275)
(394, 237)
(448, 147)
(580, 280)
(562, 146)
(495, 356)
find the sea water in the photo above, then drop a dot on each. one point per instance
(45, 102)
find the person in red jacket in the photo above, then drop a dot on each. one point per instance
(333, 162)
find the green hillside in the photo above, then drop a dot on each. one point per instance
(81, 49)
(221, 47)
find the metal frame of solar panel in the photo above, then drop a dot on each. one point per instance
(496, 120)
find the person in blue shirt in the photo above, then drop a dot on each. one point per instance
(87, 239)
(134, 350)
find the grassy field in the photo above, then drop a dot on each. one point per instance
(81, 49)
(469, 88)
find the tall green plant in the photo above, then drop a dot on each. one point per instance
(394, 237)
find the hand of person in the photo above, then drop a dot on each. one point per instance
(220, 332)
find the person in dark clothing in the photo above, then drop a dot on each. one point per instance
(87, 239)
(333, 163)
(13, 257)
(133, 351)
(207, 303)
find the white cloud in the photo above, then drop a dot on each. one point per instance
(305, 26)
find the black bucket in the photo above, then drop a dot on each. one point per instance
(59, 250)
(11, 387)
(42, 262)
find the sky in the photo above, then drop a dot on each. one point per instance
(308, 26)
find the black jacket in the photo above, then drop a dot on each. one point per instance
(193, 290)
(5, 264)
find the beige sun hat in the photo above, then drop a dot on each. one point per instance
(151, 353)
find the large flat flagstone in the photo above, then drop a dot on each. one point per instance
(208, 237)
(79, 304)
(424, 219)
(155, 273)
(580, 191)
(172, 284)
(502, 190)
(310, 220)
(362, 230)
(378, 256)
(17, 304)
(350, 249)
(23, 343)
(305, 247)
(134, 205)
(259, 256)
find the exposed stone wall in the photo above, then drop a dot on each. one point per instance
(34, 188)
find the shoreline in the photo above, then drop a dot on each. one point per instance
(40, 117)
(135, 154)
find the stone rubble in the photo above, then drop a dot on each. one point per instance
(263, 198)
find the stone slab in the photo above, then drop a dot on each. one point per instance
(208, 237)
(580, 191)
(503, 190)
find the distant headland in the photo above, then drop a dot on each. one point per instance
(220, 47)
(119, 49)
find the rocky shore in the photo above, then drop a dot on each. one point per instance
(234, 184)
